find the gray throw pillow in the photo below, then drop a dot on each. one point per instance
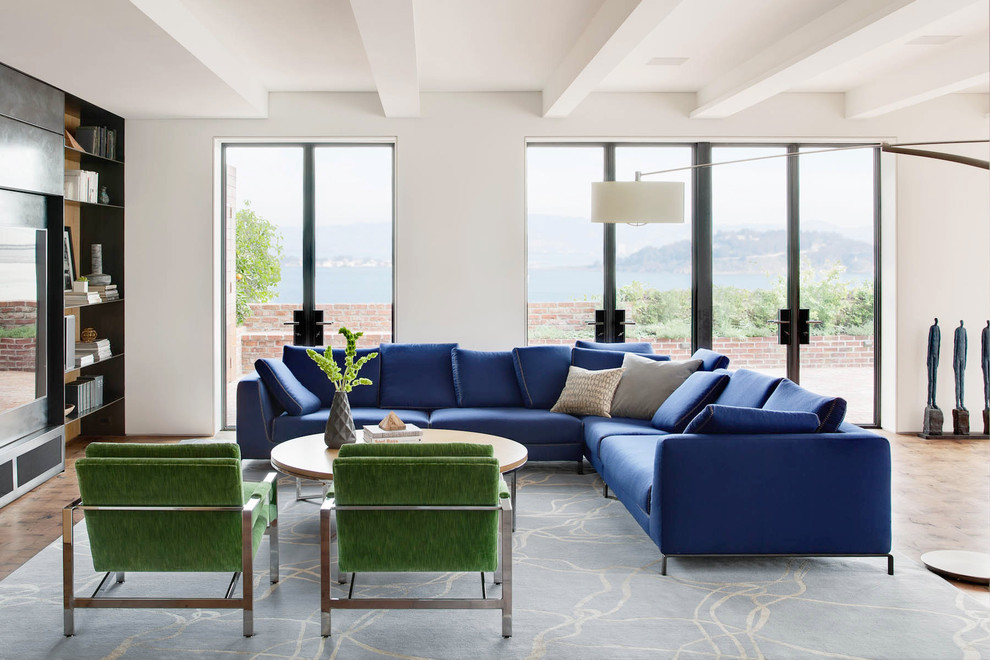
(647, 383)
(588, 392)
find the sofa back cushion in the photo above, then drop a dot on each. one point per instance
(595, 359)
(485, 379)
(418, 376)
(286, 388)
(541, 372)
(719, 419)
(622, 347)
(646, 384)
(710, 360)
(700, 389)
(313, 378)
(791, 396)
(747, 389)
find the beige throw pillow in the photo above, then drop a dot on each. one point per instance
(588, 392)
(647, 383)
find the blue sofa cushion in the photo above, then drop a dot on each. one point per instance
(629, 462)
(718, 419)
(285, 387)
(541, 372)
(597, 429)
(529, 427)
(831, 410)
(700, 389)
(286, 427)
(417, 376)
(313, 378)
(485, 379)
(621, 347)
(596, 360)
(710, 360)
(747, 389)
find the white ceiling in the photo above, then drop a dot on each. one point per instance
(220, 58)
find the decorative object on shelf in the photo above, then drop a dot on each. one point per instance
(97, 277)
(68, 260)
(985, 365)
(88, 335)
(81, 285)
(340, 423)
(960, 416)
(933, 415)
(69, 408)
(104, 195)
(71, 141)
(392, 422)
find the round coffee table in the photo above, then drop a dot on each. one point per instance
(307, 457)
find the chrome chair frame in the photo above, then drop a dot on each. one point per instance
(327, 575)
(245, 602)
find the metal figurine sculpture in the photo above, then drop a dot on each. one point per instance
(960, 416)
(934, 343)
(985, 364)
(933, 415)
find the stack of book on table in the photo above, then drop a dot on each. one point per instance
(107, 292)
(374, 433)
(98, 350)
(73, 299)
(82, 186)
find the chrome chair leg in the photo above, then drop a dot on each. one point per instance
(120, 577)
(68, 593)
(247, 569)
(273, 550)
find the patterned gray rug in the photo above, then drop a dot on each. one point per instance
(586, 585)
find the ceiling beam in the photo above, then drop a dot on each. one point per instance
(837, 37)
(180, 24)
(614, 31)
(950, 70)
(389, 37)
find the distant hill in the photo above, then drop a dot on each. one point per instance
(753, 251)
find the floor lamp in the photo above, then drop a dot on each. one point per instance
(640, 202)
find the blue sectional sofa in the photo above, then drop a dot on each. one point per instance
(732, 463)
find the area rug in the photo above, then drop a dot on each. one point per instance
(586, 585)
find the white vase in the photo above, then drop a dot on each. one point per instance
(80, 287)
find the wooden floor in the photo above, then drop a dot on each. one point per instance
(941, 500)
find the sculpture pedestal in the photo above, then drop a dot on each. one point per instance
(933, 422)
(960, 422)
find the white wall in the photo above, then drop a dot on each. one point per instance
(460, 239)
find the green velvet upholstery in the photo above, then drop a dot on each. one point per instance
(129, 474)
(446, 474)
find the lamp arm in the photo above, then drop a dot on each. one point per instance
(953, 158)
(884, 146)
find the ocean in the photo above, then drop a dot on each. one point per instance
(374, 285)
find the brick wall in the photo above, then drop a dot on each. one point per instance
(745, 352)
(14, 313)
(262, 335)
(18, 353)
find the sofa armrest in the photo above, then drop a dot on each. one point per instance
(824, 493)
(256, 410)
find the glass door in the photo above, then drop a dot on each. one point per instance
(263, 246)
(749, 257)
(308, 248)
(838, 276)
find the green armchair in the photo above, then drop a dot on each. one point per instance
(173, 508)
(429, 507)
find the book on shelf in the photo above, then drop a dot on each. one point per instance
(84, 360)
(85, 392)
(374, 433)
(98, 140)
(82, 186)
(99, 349)
(107, 291)
(73, 299)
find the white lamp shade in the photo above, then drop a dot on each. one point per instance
(637, 201)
